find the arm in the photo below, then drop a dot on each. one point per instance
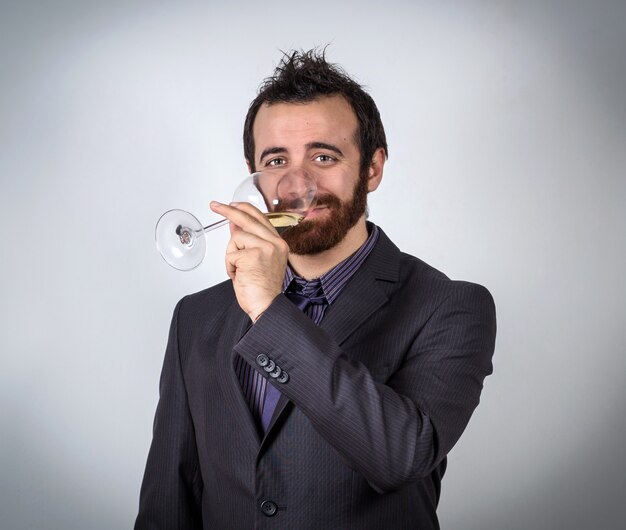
(397, 432)
(172, 485)
(393, 433)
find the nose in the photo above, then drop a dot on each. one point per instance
(297, 189)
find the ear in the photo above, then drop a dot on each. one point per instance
(249, 166)
(375, 172)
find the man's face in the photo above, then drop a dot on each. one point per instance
(320, 137)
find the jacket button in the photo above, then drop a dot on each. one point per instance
(283, 377)
(269, 367)
(262, 359)
(269, 508)
(276, 372)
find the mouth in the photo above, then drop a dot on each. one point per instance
(316, 212)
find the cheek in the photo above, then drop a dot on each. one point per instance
(340, 185)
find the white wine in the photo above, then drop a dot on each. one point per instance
(283, 220)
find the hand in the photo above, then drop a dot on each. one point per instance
(256, 257)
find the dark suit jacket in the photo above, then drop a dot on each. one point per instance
(376, 397)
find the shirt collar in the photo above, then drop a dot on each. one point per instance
(336, 278)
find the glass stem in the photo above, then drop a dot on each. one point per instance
(215, 225)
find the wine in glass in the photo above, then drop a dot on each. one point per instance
(284, 196)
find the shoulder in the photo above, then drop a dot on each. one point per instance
(457, 314)
(460, 308)
(207, 305)
(425, 282)
(417, 272)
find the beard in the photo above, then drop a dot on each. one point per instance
(313, 237)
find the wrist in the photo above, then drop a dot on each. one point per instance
(256, 313)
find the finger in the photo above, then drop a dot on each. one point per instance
(256, 214)
(215, 206)
(229, 262)
(251, 210)
(232, 257)
(247, 217)
(255, 249)
(242, 240)
(237, 258)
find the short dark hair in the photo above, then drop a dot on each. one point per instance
(302, 77)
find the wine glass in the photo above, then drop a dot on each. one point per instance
(284, 196)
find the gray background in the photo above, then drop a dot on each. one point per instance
(507, 131)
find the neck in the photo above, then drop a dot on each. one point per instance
(309, 267)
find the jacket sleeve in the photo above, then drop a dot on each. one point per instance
(172, 485)
(397, 432)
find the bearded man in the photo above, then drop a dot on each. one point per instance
(323, 385)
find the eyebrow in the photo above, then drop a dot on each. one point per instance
(272, 151)
(311, 145)
(322, 145)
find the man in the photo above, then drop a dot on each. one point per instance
(324, 384)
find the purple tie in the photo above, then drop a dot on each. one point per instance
(303, 302)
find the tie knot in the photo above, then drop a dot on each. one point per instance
(311, 288)
(304, 294)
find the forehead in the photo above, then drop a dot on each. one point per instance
(325, 119)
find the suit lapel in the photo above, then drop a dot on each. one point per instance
(363, 295)
(236, 326)
(359, 299)
(356, 303)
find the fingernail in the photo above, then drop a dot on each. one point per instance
(215, 203)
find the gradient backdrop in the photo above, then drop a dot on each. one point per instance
(507, 131)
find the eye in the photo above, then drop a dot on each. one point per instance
(325, 159)
(276, 162)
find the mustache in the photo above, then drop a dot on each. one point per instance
(328, 200)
